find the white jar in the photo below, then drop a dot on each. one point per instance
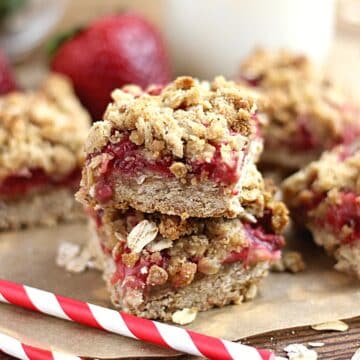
(209, 37)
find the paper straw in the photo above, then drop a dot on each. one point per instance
(121, 323)
(11, 346)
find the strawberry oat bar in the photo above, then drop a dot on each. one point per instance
(41, 139)
(325, 197)
(181, 150)
(181, 213)
(157, 265)
(307, 113)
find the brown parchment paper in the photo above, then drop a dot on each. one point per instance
(318, 294)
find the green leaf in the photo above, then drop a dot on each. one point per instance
(53, 44)
(7, 7)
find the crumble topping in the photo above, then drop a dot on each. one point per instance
(45, 129)
(185, 120)
(335, 171)
(307, 112)
(269, 68)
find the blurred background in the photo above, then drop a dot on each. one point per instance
(204, 37)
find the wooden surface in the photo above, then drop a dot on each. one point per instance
(338, 345)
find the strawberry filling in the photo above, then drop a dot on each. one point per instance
(304, 139)
(343, 218)
(138, 273)
(261, 247)
(34, 179)
(127, 158)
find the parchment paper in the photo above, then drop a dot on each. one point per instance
(319, 294)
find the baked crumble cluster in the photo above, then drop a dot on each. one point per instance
(42, 134)
(44, 130)
(307, 113)
(184, 218)
(325, 197)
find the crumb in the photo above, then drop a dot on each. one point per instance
(291, 261)
(252, 292)
(316, 344)
(157, 276)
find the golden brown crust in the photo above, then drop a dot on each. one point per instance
(44, 129)
(231, 285)
(307, 112)
(46, 208)
(185, 120)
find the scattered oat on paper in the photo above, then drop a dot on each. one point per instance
(356, 355)
(316, 344)
(184, 316)
(76, 259)
(300, 352)
(336, 325)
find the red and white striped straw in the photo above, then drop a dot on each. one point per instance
(118, 322)
(11, 346)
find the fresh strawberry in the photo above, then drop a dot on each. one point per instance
(113, 51)
(7, 79)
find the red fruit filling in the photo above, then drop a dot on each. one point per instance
(262, 247)
(33, 179)
(127, 159)
(252, 81)
(345, 214)
(304, 140)
(218, 170)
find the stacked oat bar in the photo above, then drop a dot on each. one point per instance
(42, 134)
(184, 219)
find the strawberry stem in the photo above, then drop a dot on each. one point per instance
(55, 43)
